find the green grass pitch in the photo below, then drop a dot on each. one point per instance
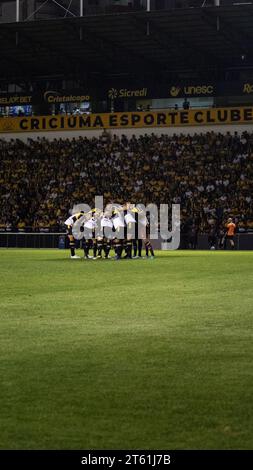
(134, 354)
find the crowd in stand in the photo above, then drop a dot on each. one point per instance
(209, 174)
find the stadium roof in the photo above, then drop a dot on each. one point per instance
(172, 40)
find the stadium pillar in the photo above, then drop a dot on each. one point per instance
(217, 3)
(148, 5)
(17, 10)
(81, 7)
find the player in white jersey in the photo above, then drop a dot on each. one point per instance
(69, 223)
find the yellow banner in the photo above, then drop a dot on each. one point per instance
(170, 118)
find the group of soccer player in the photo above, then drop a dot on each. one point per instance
(129, 230)
(90, 229)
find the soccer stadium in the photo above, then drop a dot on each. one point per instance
(126, 225)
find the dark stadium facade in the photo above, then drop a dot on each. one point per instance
(124, 53)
